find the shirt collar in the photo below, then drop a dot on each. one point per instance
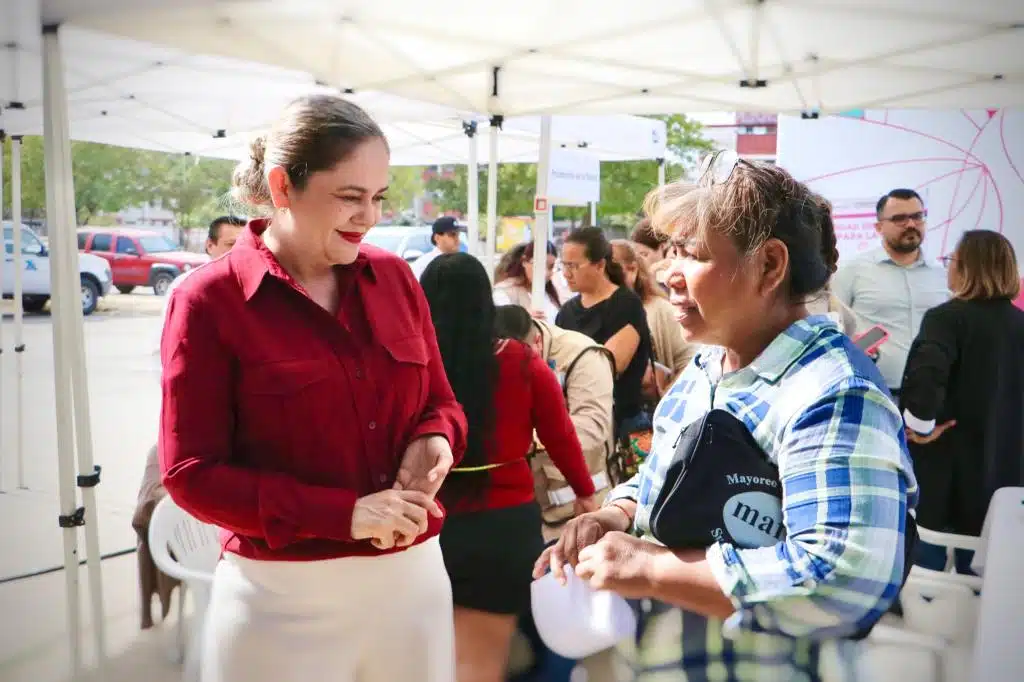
(882, 256)
(253, 261)
(786, 349)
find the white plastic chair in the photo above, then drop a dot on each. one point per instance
(893, 653)
(186, 549)
(951, 542)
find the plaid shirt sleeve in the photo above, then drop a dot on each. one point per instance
(844, 506)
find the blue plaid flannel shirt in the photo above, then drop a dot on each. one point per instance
(819, 408)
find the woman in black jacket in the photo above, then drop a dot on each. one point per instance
(963, 392)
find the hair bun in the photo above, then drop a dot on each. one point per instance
(249, 181)
(258, 150)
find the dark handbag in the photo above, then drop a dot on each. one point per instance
(720, 487)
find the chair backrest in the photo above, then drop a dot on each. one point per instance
(194, 546)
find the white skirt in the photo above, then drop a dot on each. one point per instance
(354, 619)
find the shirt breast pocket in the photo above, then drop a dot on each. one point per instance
(279, 402)
(409, 375)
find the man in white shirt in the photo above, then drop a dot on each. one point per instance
(893, 286)
(444, 237)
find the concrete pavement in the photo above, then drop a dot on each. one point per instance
(121, 340)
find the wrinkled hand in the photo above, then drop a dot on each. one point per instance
(620, 563)
(921, 439)
(424, 465)
(392, 518)
(578, 534)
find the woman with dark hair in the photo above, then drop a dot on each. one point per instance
(669, 349)
(515, 285)
(607, 311)
(306, 413)
(963, 393)
(493, 533)
(750, 245)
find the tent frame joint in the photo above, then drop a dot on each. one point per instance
(90, 480)
(73, 520)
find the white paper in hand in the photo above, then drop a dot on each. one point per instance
(576, 621)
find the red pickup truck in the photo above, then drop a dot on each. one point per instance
(139, 258)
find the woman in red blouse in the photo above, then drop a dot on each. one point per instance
(493, 533)
(307, 414)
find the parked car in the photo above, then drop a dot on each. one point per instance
(94, 272)
(139, 258)
(409, 242)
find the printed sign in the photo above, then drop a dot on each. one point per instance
(574, 178)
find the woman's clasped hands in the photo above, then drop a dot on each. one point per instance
(396, 517)
(391, 518)
(601, 553)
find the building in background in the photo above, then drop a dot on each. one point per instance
(752, 135)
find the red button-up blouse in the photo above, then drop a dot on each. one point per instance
(277, 415)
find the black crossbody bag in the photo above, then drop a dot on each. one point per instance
(722, 487)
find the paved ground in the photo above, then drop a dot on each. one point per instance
(120, 340)
(122, 370)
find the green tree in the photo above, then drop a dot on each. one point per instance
(517, 184)
(107, 179)
(624, 184)
(33, 188)
(405, 185)
(194, 189)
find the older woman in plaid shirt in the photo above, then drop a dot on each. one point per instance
(751, 246)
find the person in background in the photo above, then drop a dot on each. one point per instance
(610, 313)
(893, 286)
(513, 255)
(493, 533)
(652, 248)
(826, 302)
(963, 393)
(306, 413)
(750, 246)
(514, 286)
(220, 238)
(586, 371)
(671, 352)
(445, 238)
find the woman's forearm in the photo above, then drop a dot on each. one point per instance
(684, 578)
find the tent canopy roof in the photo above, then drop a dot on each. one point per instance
(640, 56)
(131, 93)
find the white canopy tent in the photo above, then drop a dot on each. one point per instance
(131, 93)
(644, 56)
(125, 92)
(134, 94)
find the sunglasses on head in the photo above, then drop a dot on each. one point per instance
(718, 166)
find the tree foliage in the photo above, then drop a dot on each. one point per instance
(624, 184)
(108, 179)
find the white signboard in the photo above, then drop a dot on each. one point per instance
(574, 178)
(968, 165)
